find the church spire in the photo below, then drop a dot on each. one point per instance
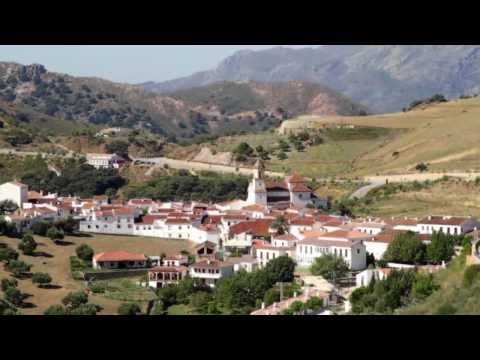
(259, 172)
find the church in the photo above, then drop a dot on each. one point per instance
(281, 194)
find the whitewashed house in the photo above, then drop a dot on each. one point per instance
(209, 272)
(15, 192)
(447, 224)
(346, 244)
(105, 161)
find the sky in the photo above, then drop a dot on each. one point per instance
(126, 63)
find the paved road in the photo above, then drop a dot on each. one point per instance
(363, 191)
(199, 166)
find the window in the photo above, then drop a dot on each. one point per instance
(96, 226)
(346, 252)
(273, 255)
(358, 251)
(88, 226)
(268, 256)
(105, 226)
(261, 255)
(311, 249)
(119, 226)
(455, 231)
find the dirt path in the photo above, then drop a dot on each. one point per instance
(199, 166)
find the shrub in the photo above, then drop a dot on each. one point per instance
(14, 296)
(84, 252)
(129, 309)
(18, 268)
(28, 245)
(471, 274)
(55, 310)
(42, 279)
(446, 309)
(8, 254)
(9, 283)
(74, 299)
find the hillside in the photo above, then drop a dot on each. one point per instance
(60, 102)
(385, 78)
(445, 136)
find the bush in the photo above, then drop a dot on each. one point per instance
(98, 287)
(28, 245)
(129, 309)
(55, 310)
(55, 234)
(74, 299)
(18, 268)
(9, 283)
(406, 249)
(14, 296)
(42, 279)
(314, 303)
(446, 309)
(471, 274)
(41, 228)
(84, 252)
(8, 254)
(329, 266)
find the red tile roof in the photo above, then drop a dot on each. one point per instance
(300, 188)
(150, 219)
(295, 178)
(255, 207)
(302, 221)
(119, 256)
(178, 221)
(258, 227)
(285, 237)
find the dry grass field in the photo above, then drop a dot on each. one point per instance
(456, 197)
(58, 266)
(447, 136)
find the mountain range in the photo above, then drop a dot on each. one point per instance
(385, 78)
(36, 95)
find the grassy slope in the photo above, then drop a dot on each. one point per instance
(451, 197)
(466, 301)
(445, 135)
(58, 266)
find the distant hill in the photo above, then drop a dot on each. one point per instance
(40, 96)
(385, 78)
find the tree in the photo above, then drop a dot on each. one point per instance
(329, 266)
(471, 275)
(14, 296)
(280, 225)
(55, 310)
(74, 299)
(84, 252)
(422, 167)
(84, 309)
(406, 248)
(314, 303)
(7, 207)
(243, 152)
(55, 234)
(441, 248)
(68, 226)
(8, 283)
(42, 279)
(200, 301)
(282, 155)
(262, 153)
(40, 228)
(8, 254)
(297, 307)
(18, 268)
(28, 245)
(118, 147)
(281, 269)
(423, 286)
(129, 309)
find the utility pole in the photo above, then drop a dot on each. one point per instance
(281, 291)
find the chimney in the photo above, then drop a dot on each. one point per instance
(263, 305)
